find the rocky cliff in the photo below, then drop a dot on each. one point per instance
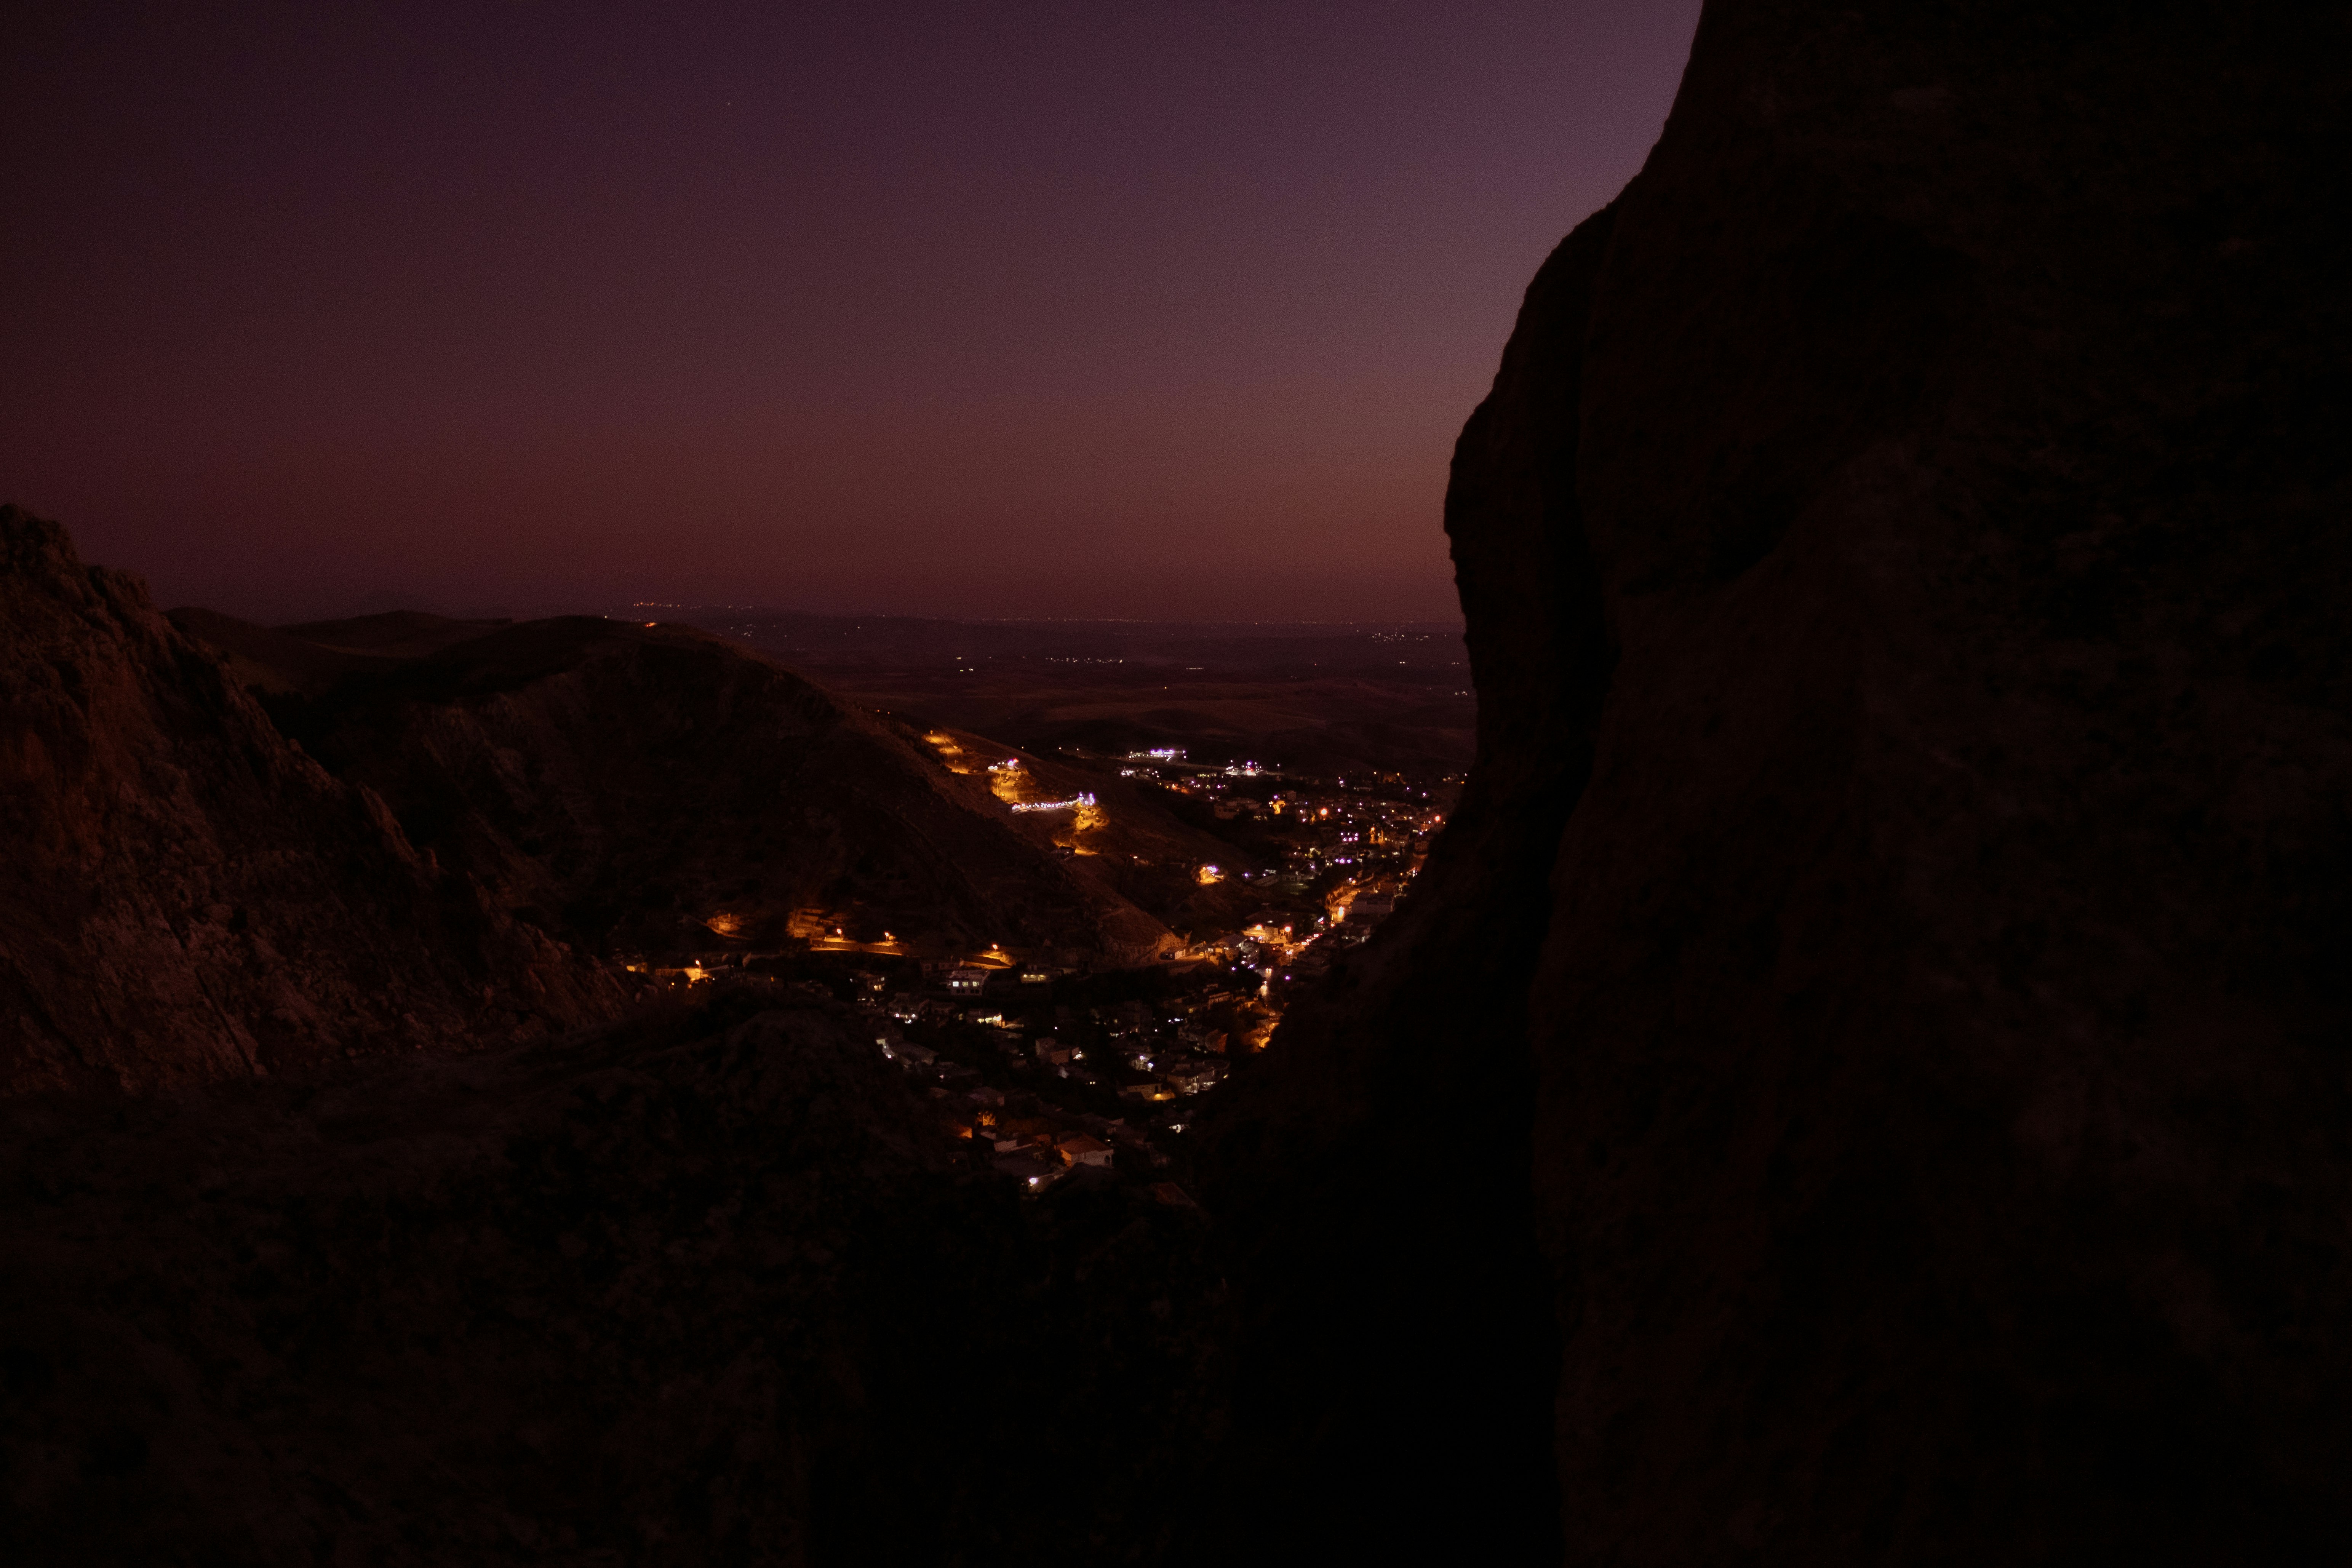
(183, 896)
(1881, 999)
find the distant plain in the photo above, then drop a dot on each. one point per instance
(1321, 697)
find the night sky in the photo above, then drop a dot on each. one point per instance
(1101, 309)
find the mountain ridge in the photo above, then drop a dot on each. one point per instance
(234, 850)
(539, 754)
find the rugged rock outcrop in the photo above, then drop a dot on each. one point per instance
(183, 896)
(1884, 981)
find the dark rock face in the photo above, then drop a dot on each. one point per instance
(1905, 554)
(184, 897)
(706, 1288)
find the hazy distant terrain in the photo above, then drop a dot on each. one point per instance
(1317, 696)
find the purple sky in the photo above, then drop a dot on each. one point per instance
(1009, 308)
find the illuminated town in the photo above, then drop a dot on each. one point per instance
(1041, 1068)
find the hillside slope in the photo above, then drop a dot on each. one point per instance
(1126, 841)
(658, 790)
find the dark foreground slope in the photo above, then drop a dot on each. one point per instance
(183, 895)
(708, 1288)
(1887, 970)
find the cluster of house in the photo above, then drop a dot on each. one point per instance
(1036, 1145)
(1362, 834)
(1269, 934)
(1166, 1056)
(1156, 1053)
(961, 977)
(1284, 944)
